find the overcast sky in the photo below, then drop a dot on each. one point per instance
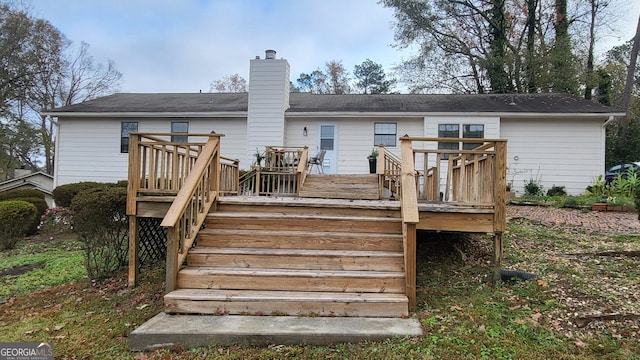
(184, 45)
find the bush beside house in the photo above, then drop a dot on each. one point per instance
(16, 216)
(99, 218)
(33, 196)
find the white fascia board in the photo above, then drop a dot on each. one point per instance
(238, 114)
(456, 114)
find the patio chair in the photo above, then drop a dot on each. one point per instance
(317, 161)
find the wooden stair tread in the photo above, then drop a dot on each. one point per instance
(293, 252)
(205, 270)
(279, 216)
(266, 295)
(346, 195)
(303, 202)
(293, 233)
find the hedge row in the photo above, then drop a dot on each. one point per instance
(63, 195)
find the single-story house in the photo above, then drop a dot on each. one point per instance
(31, 180)
(556, 139)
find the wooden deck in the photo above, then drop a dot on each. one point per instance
(320, 245)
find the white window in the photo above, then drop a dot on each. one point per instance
(179, 127)
(473, 131)
(126, 127)
(385, 134)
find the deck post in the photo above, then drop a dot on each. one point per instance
(171, 282)
(497, 255)
(500, 204)
(410, 217)
(257, 187)
(410, 264)
(133, 251)
(133, 185)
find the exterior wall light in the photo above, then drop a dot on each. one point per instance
(304, 131)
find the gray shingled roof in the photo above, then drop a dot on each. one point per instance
(310, 103)
(160, 103)
(517, 103)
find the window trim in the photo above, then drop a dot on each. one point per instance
(179, 138)
(461, 135)
(124, 139)
(394, 135)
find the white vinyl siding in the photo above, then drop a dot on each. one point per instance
(89, 149)
(268, 100)
(560, 152)
(354, 138)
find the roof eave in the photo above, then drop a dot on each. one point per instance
(148, 114)
(466, 114)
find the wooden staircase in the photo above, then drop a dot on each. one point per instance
(341, 187)
(308, 257)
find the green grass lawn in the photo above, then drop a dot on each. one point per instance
(463, 314)
(40, 263)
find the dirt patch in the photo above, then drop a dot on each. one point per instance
(20, 269)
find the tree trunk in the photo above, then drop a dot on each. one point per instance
(532, 84)
(589, 76)
(626, 96)
(498, 77)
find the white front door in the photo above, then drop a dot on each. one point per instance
(328, 142)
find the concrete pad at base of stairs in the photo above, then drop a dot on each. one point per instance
(190, 331)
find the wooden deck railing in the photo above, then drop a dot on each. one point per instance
(189, 171)
(283, 174)
(474, 176)
(157, 165)
(229, 176)
(388, 170)
(190, 208)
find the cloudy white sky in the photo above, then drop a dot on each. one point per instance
(184, 45)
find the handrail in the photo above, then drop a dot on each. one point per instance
(188, 211)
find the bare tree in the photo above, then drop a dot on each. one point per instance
(41, 71)
(229, 84)
(334, 80)
(75, 79)
(315, 82)
(338, 77)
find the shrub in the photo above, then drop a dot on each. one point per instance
(64, 194)
(636, 200)
(15, 218)
(41, 207)
(55, 221)
(570, 202)
(21, 193)
(557, 191)
(99, 218)
(533, 188)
